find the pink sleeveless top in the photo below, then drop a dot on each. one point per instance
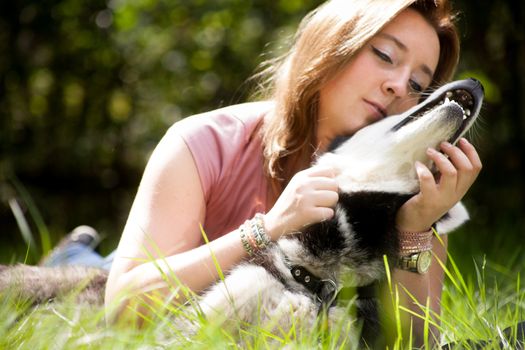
(227, 149)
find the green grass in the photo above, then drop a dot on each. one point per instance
(480, 299)
(473, 307)
(481, 307)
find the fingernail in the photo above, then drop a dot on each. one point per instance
(431, 151)
(419, 166)
(464, 141)
(446, 144)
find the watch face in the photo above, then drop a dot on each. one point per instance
(423, 261)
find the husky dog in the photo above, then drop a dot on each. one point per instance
(299, 275)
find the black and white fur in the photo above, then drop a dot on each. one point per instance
(376, 176)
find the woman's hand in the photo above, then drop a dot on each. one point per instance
(309, 197)
(437, 196)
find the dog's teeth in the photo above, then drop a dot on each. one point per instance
(467, 112)
(449, 94)
(464, 117)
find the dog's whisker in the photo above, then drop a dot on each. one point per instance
(475, 132)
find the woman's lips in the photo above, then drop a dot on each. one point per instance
(378, 110)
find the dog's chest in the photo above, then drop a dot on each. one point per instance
(363, 229)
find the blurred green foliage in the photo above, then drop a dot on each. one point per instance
(87, 88)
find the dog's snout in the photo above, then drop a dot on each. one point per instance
(478, 83)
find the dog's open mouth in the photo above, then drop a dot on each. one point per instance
(459, 101)
(462, 99)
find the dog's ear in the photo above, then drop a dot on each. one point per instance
(455, 217)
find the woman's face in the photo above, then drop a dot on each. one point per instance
(384, 78)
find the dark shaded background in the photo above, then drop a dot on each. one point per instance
(87, 88)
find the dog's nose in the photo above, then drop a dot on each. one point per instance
(478, 83)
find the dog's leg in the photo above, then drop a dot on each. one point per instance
(237, 295)
(253, 296)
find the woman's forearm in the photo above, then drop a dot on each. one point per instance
(417, 291)
(415, 294)
(193, 270)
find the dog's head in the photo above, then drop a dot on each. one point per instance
(376, 175)
(381, 157)
(376, 166)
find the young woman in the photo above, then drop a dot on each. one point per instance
(352, 63)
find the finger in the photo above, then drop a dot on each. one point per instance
(326, 199)
(458, 158)
(467, 171)
(460, 161)
(471, 153)
(324, 183)
(448, 178)
(321, 170)
(427, 183)
(323, 214)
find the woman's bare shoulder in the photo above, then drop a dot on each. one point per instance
(169, 205)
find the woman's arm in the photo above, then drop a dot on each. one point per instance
(164, 223)
(423, 287)
(458, 166)
(163, 227)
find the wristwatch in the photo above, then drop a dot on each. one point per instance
(417, 262)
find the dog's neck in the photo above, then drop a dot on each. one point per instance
(293, 253)
(353, 242)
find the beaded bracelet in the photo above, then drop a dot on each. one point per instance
(415, 242)
(244, 239)
(261, 237)
(253, 234)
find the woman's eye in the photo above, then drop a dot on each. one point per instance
(383, 56)
(415, 86)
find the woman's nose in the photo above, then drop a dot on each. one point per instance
(396, 86)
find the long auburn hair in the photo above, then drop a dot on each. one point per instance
(327, 39)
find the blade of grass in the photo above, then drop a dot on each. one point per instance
(35, 214)
(394, 299)
(215, 261)
(23, 226)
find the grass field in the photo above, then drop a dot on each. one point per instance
(481, 299)
(478, 306)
